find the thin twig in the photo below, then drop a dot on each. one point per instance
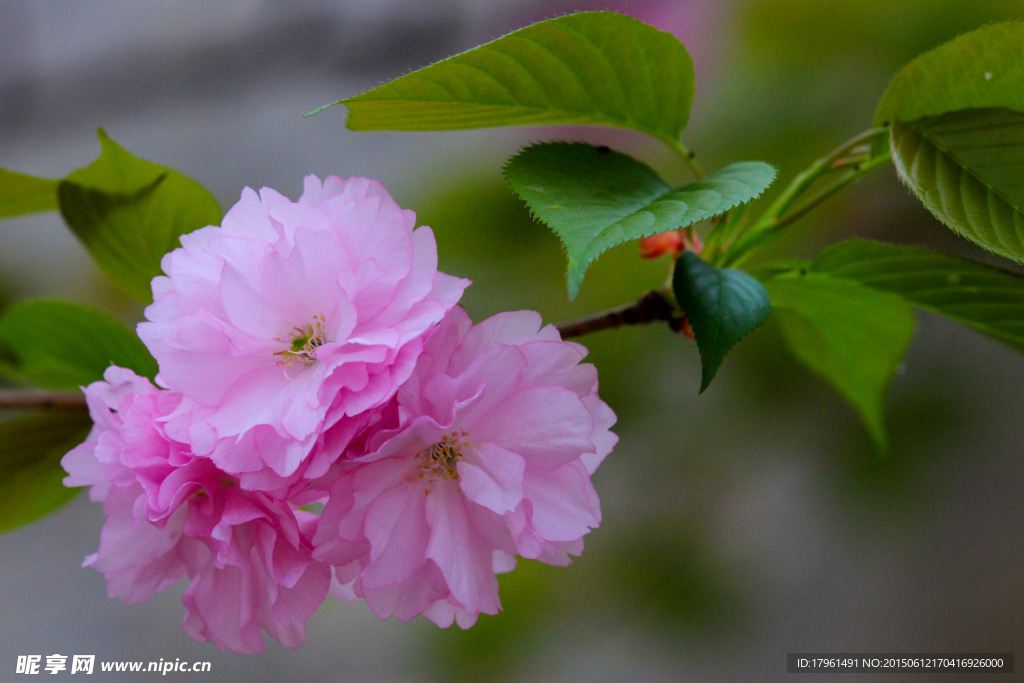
(856, 174)
(35, 399)
(778, 215)
(648, 308)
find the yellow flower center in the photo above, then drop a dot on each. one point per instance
(441, 458)
(303, 342)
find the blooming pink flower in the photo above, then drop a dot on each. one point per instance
(292, 317)
(485, 453)
(174, 515)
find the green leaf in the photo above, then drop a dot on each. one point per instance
(967, 168)
(957, 116)
(850, 335)
(723, 305)
(979, 70)
(588, 68)
(988, 299)
(30, 473)
(129, 213)
(64, 345)
(595, 199)
(21, 194)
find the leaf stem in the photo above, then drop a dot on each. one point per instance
(830, 190)
(652, 306)
(843, 159)
(36, 399)
(689, 158)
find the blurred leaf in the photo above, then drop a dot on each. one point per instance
(666, 570)
(30, 473)
(129, 213)
(723, 305)
(988, 299)
(978, 70)
(850, 335)
(20, 194)
(596, 68)
(530, 598)
(594, 198)
(967, 167)
(64, 345)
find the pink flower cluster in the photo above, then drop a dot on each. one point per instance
(312, 357)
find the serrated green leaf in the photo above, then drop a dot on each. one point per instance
(967, 168)
(987, 299)
(957, 116)
(849, 334)
(30, 473)
(596, 68)
(64, 345)
(594, 198)
(129, 213)
(21, 194)
(978, 70)
(723, 305)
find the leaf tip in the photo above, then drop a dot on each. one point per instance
(317, 110)
(706, 377)
(575, 281)
(880, 440)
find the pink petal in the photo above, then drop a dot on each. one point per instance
(462, 558)
(548, 426)
(492, 476)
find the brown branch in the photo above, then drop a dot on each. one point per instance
(650, 307)
(35, 399)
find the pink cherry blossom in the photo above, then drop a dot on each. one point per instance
(172, 515)
(485, 453)
(292, 317)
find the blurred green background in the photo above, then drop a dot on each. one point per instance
(739, 525)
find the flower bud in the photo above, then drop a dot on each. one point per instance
(670, 242)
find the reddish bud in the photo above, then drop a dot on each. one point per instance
(670, 242)
(685, 328)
